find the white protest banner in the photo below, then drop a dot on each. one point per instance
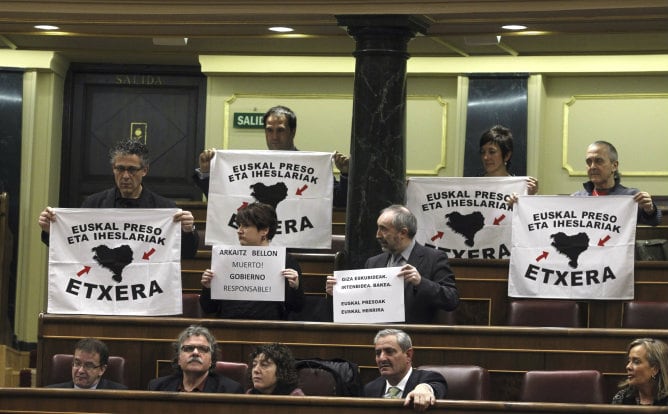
(369, 296)
(248, 273)
(573, 247)
(115, 262)
(465, 217)
(299, 184)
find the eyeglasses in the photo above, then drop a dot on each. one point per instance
(121, 169)
(88, 366)
(202, 349)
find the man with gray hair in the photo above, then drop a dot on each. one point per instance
(398, 379)
(604, 179)
(429, 284)
(129, 161)
(195, 355)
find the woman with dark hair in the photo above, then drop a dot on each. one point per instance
(496, 150)
(273, 371)
(646, 382)
(257, 226)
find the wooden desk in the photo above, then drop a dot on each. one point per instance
(31, 400)
(507, 352)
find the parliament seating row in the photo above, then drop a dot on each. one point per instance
(465, 382)
(483, 284)
(523, 312)
(507, 352)
(483, 289)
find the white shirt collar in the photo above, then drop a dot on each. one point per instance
(402, 384)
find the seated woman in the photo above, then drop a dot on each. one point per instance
(257, 226)
(496, 150)
(647, 369)
(273, 371)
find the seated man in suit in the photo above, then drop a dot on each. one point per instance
(89, 364)
(429, 284)
(195, 353)
(398, 379)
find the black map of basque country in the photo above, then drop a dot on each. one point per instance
(570, 246)
(466, 224)
(113, 259)
(270, 194)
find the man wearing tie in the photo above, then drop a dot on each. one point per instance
(429, 284)
(398, 379)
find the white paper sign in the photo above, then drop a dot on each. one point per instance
(465, 217)
(115, 262)
(248, 273)
(369, 296)
(299, 184)
(573, 247)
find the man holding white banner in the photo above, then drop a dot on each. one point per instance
(254, 281)
(573, 247)
(604, 179)
(280, 127)
(129, 160)
(429, 284)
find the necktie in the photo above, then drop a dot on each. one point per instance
(393, 392)
(398, 260)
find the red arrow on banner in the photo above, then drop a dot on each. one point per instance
(601, 242)
(499, 219)
(244, 204)
(542, 256)
(148, 254)
(85, 269)
(301, 190)
(438, 235)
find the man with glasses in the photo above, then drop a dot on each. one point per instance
(195, 354)
(129, 163)
(89, 364)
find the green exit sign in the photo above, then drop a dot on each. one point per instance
(248, 120)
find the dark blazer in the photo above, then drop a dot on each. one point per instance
(148, 199)
(376, 388)
(214, 384)
(104, 384)
(437, 290)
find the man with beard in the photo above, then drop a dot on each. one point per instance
(195, 353)
(398, 379)
(429, 284)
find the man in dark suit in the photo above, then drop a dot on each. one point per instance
(429, 284)
(398, 379)
(89, 364)
(129, 161)
(194, 360)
